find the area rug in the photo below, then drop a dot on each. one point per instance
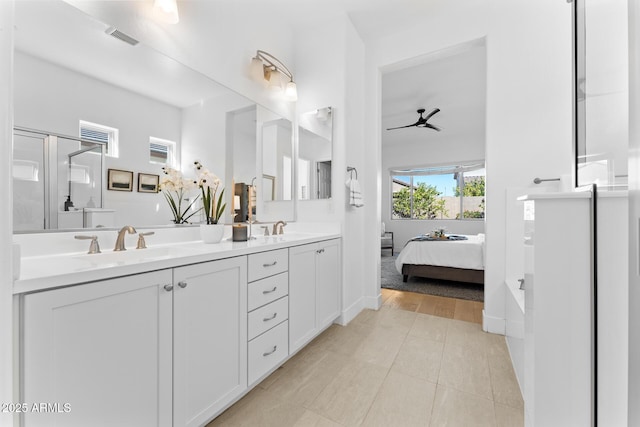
(391, 279)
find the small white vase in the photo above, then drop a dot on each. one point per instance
(211, 233)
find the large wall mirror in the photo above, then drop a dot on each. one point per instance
(315, 154)
(79, 84)
(601, 93)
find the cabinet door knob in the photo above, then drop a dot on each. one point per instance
(275, 347)
(168, 287)
(270, 264)
(272, 290)
(266, 319)
(182, 284)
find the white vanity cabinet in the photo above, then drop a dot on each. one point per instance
(314, 290)
(102, 348)
(209, 338)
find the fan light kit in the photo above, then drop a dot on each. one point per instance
(265, 66)
(422, 121)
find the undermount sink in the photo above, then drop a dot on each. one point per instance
(135, 255)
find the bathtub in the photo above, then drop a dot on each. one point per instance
(514, 307)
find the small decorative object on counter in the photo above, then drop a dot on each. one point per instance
(239, 233)
(174, 188)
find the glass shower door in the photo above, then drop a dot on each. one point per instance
(29, 182)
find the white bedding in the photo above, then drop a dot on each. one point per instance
(450, 253)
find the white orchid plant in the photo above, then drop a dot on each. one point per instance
(174, 187)
(209, 184)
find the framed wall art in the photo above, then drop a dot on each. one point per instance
(119, 180)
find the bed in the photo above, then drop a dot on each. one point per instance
(456, 260)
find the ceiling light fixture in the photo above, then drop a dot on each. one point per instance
(166, 10)
(265, 66)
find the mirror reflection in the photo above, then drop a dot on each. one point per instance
(277, 164)
(601, 92)
(314, 154)
(77, 85)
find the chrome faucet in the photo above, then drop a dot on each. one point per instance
(278, 228)
(120, 239)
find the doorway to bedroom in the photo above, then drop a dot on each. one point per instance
(433, 182)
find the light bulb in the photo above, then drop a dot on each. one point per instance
(291, 92)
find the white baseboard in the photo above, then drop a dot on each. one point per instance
(373, 303)
(495, 325)
(351, 312)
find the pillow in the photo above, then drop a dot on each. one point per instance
(382, 230)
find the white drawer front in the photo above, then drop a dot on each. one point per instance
(267, 317)
(264, 291)
(267, 351)
(265, 264)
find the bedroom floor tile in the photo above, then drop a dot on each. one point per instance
(391, 367)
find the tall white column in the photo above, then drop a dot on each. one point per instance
(6, 205)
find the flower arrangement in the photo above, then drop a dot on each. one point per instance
(174, 187)
(209, 184)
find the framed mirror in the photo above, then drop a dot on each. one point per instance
(315, 154)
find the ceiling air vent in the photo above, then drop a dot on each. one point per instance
(114, 32)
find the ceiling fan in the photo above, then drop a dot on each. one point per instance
(422, 121)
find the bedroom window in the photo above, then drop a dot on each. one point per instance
(443, 192)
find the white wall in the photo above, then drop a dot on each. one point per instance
(528, 76)
(6, 222)
(634, 214)
(52, 98)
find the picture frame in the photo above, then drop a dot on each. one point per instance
(119, 180)
(148, 183)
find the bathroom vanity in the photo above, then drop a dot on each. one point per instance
(170, 336)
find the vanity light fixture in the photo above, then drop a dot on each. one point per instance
(265, 66)
(166, 10)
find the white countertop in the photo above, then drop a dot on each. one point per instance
(42, 272)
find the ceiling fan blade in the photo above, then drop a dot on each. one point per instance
(400, 127)
(434, 111)
(430, 126)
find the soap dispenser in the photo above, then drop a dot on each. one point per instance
(68, 203)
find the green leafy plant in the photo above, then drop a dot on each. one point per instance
(426, 202)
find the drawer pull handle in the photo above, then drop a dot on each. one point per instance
(319, 251)
(168, 287)
(182, 284)
(266, 319)
(272, 290)
(270, 265)
(269, 353)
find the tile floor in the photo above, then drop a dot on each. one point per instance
(392, 367)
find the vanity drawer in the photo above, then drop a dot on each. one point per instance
(264, 291)
(267, 317)
(268, 351)
(265, 264)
